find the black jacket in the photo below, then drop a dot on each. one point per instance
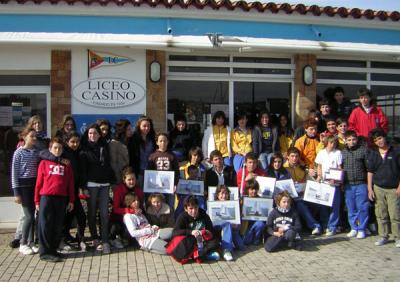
(95, 165)
(386, 171)
(134, 144)
(181, 141)
(211, 177)
(344, 109)
(185, 224)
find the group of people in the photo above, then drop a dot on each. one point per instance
(105, 168)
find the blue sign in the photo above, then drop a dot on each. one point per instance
(83, 121)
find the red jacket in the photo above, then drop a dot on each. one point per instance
(119, 193)
(54, 179)
(362, 123)
(258, 172)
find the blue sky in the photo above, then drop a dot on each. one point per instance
(385, 5)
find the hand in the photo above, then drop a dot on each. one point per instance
(371, 195)
(196, 233)
(70, 207)
(18, 199)
(65, 161)
(37, 207)
(312, 172)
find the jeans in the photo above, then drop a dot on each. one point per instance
(28, 207)
(265, 159)
(230, 237)
(356, 197)
(330, 215)
(305, 213)
(99, 198)
(274, 242)
(255, 233)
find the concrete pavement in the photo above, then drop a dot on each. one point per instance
(323, 259)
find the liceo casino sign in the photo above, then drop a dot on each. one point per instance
(108, 92)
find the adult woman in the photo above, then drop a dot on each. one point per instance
(96, 177)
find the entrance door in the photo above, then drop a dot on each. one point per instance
(253, 97)
(17, 105)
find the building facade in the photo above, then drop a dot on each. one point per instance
(118, 59)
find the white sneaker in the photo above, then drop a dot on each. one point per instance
(96, 243)
(227, 255)
(117, 244)
(361, 235)
(316, 231)
(64, 247)
(329, 233)
(34, 248)
(25, 250)
(352, 234)
(82, 245)
(106, 248)
(382, 241)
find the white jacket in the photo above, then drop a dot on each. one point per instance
(208, 143)
(139, 228)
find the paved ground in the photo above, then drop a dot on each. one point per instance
(323, 259)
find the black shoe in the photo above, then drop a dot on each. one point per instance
(50, 258)
(14, 244)
(59, 255)
(298, 247)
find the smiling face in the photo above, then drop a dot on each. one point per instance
(93, 135)
(73, 143)
(380, 142)
(223, 195)
(264, 119)
(68, 126)
(37, 125)
(156, 203)
(325, 110)
(351, 141)
(144, 127)
(193, 211)
(331, 126)
(277, 163)
(130, 180)
(293, 159)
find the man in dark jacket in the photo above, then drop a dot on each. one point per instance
(219, 174)
(341, 105)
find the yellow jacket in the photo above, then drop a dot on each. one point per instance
(241, 142)
(308, 149)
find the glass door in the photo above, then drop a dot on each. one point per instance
(15, 110)
(253, 97)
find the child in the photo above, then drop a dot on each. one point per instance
(196, 226)
(276, 169)
(195, 159)
(265, 140)
(54, 193)
(307, 146)
(163, 160)
(283, 224)
(252, 229)
(71, 153)
(23, 177)
(285, 134)
(249, 171)
(128, 185)
(330, 130)
(219, 174)
(230, 233)
(158, 212)
(329, 158)
(341, 128)
(218, 137)
(355, 181)
(193, 174)
(150, 238)
(384, 186)
(181, 139)
(299, 175)
(241, 140)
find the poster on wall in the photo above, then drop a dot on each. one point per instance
(115, 88)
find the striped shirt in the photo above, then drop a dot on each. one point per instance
(24, 166)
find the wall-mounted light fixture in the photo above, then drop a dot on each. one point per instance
(308, 75)
(155, 71)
